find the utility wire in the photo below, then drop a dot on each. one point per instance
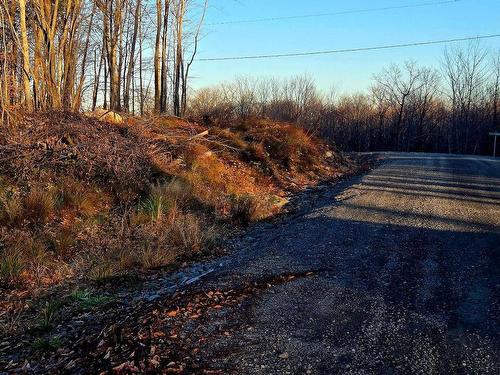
(347, 50)
(344, 12)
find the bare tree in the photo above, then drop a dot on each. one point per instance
(398, 85)
(79, 90)
(112, 11)
(180, 11)
(191, 60)
(421, 101)
(131, 63)
(26, 58)
(158, 55)
(466, 72)
(495, 91)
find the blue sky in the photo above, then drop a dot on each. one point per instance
(348, 72)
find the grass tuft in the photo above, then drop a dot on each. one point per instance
(63, 241)
(11, 209)
(50, 312)
(188, 234)
(165, 199)
(39, 205)
(248, 208)
(88, 300)
(11, 266)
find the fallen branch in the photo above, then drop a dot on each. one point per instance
(199, 135)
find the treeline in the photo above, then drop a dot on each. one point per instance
(125, 55)
(135, 56)
(408, 108)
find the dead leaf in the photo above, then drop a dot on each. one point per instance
(173, 313)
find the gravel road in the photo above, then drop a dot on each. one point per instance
(406, 275)
(393, 272)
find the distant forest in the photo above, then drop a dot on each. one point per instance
(135, 57)
(450, 109)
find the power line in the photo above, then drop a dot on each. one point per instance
(347, 50)
(344, 12)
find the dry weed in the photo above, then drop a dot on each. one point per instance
(39, 205)
(11, 209)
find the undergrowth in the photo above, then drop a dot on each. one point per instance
(86, 200)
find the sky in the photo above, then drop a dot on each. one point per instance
(349, 72)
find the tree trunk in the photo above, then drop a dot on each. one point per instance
(130, 70)
(141, 86)
(28, 102)
(164, 62)
(178, 57)
(78, 99)
(112, 35)
(157, 57)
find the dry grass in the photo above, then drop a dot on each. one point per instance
(25, 260)
(153, 243)
(11, 209)
(11, 266)
(84, 199)
(39, 205)
(63, 241)
(247, 208)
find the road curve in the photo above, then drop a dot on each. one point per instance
(406, 263)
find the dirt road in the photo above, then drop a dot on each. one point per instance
(406, 279)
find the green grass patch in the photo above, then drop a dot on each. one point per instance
(85, 299)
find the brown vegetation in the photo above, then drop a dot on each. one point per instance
(85, 199)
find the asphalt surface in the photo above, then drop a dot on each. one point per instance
(405, 264)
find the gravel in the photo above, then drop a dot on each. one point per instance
(406, 275)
